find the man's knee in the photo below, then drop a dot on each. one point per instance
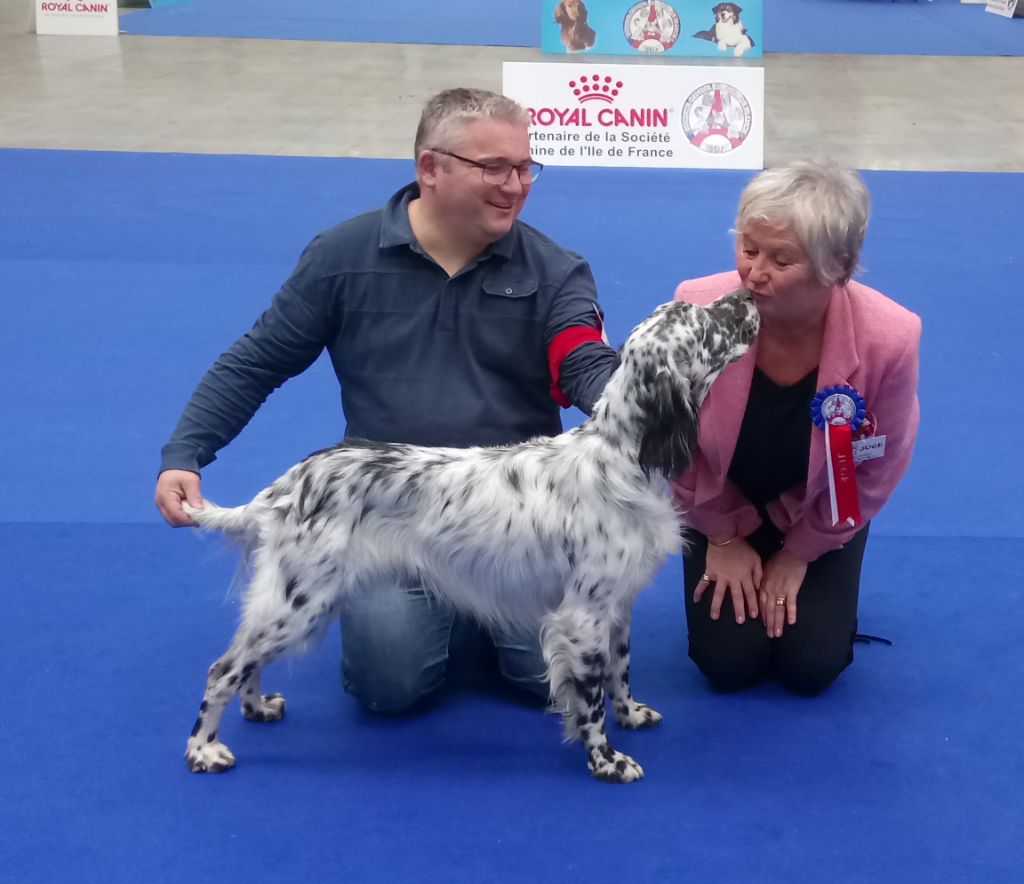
(387, 688)
(394, 647)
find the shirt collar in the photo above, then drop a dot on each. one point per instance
(396, 229)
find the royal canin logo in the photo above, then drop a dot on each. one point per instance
(604, 89)
(594, 88)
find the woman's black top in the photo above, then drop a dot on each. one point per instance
(774, 443)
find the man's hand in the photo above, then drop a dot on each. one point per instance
(174, 487)
(735, 568)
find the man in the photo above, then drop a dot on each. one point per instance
(448, 322)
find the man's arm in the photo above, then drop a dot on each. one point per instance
(284, 342)
(579, 356)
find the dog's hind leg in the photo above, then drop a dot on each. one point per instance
(575, 642)
(628, 711)
(257, 706)
(205, 753)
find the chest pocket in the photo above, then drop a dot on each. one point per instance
(509, 297)
(508, 334)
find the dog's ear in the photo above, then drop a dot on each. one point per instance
(668, 430)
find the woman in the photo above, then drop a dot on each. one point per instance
(780, 516)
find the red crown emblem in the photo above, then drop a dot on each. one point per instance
(594, 87)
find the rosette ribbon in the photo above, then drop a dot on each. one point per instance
(840, 410)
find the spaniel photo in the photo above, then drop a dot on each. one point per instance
(571, 16)
(561, 532)
(728, 31)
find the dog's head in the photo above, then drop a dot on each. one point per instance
(727, 13)
(570, 12)
(675, 356)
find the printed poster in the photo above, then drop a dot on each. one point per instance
(688, 28)
(661, 116)
(77, 17)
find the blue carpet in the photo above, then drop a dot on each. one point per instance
(909, 770)
(127, 274)
(876, 27)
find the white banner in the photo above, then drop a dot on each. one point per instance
(669, 116)
(1005, 8)
(77, 17)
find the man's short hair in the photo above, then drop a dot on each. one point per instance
(445, 113)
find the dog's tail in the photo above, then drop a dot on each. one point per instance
(236, 522)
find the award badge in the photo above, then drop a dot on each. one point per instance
(839, 411)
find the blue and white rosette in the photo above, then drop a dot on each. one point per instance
(839, 410)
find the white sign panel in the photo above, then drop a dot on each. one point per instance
(1005, 8)
(668, 116)
(77, 17)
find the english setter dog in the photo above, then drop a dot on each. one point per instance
(562, 532)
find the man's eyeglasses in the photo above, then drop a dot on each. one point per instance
(496, 172)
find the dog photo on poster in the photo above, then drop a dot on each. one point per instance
(696, 28)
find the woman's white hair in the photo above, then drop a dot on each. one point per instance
(828, 207)
(448, 111)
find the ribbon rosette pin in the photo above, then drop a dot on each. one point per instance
(839, 411)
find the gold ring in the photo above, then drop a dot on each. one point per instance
(781, 600)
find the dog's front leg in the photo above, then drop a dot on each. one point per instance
(575, 642)
(628, 711)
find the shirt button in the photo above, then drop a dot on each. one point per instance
(508, 291)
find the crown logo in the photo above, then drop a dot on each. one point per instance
(594, 87)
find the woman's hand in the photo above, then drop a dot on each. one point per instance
(783, 576)
(734, 568)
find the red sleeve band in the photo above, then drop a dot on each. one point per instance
(564, 344)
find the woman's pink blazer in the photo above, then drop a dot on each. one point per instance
(870, 343)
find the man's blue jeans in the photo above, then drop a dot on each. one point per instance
(398, 642)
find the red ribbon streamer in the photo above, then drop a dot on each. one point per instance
(842, 477)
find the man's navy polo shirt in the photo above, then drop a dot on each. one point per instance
(421, 357)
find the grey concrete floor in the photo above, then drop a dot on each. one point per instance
(297, 98)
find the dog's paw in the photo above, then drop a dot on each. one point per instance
(612, 766)
(208, 757)
(269, 708)
(636, 715)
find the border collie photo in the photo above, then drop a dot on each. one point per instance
(728, 31)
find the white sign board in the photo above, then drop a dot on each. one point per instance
(77, 17)
(1005, 8)
(667, 116)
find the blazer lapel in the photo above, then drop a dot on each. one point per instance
(720, 419)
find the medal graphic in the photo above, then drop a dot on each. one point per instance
(652, 26)
(716, 118)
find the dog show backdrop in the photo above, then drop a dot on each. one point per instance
(695, 28)
(670, 116)
(77, 17)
